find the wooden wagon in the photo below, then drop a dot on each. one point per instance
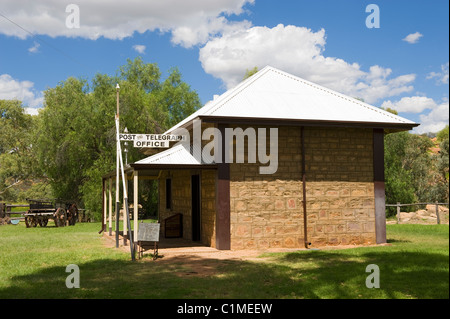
(62, 212)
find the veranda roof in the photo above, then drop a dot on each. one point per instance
(179, 156)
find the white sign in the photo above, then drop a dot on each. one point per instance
(151, 140)
(151, 144)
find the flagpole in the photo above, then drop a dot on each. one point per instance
(126, 213)
(117, 170)
(119, 164)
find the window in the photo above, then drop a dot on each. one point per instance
(168, 193)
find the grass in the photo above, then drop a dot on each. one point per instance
(33, 263)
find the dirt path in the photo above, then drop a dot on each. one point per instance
(188, 249)
(199, 261)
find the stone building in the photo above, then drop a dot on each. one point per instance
(318, 181)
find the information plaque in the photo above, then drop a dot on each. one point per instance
(148, 232)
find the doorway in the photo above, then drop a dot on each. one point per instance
(195, 191)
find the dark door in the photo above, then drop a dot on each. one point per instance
(195, 184)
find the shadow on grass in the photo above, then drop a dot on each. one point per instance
(396, 241)
(307, 274)
(403, 274)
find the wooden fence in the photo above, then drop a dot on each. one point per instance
(399, 205)
(6, 210)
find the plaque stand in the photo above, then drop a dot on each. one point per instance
(141, 249)
(148, 233)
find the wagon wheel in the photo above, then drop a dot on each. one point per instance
(30, 221)
(43, 221)
(60, 217)
(72, 214)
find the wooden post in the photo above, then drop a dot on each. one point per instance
(117, 210)
(223, 232)
(110, 206)
(398, 212)
(379, 186)
(136, 202)
(125, 211)
(437, 214)
(104, 206)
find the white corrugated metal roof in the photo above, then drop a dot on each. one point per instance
(274, 94)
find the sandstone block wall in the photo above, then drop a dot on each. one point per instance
(266, 210)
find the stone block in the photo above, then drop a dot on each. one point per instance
(289, 242)
(257, 231)
(240, 205)
(353, 227)
(243, 231)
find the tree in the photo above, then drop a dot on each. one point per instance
(16, 161)
(442, 134)
(441, 187)
(75, 138)
(249, 73)
(414, 173)
(398, 179)
(418, 161)
(388, 109)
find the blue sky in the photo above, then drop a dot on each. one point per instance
(403, 64)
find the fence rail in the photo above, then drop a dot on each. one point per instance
(6, 210)
(398, 205)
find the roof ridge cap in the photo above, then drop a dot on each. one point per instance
(239, 88)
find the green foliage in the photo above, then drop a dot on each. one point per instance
(391, 110)
(251, 72)
(75, 138)
(441, 186)
(16, 160)
(414, 173)
(442, 134)
(398, 180)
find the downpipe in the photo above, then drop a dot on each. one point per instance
(305, 218)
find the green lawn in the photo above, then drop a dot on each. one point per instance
(33, 263)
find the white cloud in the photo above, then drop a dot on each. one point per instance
(434, 115)
(413, 37)
(435, 120)
(31, 111)
(11, 89)
(413, 104)
(441, 77)
(34, 48)
(299, 51)
(192, 22)
(139, 48)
